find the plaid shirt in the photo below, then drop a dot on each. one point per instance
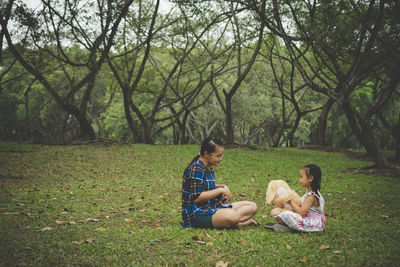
(196, 179)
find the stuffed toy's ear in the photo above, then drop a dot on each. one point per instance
(270, 195)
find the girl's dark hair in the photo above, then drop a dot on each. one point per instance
(315, 171)
(210, 145)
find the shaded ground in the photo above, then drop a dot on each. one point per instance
(369, 170)
(78, 142)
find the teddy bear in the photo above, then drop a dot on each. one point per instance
(280, 193)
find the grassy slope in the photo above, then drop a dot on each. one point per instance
(134, 192)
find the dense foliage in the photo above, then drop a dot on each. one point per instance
(253, 73)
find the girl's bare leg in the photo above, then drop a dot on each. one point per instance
(279, 220)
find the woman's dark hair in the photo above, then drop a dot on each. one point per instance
(210, 145)
(315, 171)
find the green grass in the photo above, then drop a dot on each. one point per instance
(133, 192)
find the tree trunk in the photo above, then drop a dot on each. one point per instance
(397, 138)
(183, 139)
(293, 130)
(148, 133)
(28, 129)
(86, 129)
(137, 138)
(322, 122)
(276, 137)
(365, 135)
(230, 138)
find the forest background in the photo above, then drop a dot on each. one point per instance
(253, 73)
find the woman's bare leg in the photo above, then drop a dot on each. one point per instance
(239, 215)
(249, 209)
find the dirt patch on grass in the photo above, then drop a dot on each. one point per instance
(79, 142)
(373, 170)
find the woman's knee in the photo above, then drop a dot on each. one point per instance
(226, 218)
(253, 207)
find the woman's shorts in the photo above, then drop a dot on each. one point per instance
(204, 221)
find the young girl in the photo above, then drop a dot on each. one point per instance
(202, 197)
(309, 217)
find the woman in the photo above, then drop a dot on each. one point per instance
(202, 197)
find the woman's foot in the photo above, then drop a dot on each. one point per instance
(249, 222)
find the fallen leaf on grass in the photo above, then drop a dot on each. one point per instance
(303, 259)
(288, 246)
(201, 236)
(77, 242)
(244, 242)
(324, 247)
(92, 220)
(89, 240)
(209, 244)
(61, 222)
(162, 240)
(129, 220)
(47, 229)
(221, 264)
(382, 216)
(337, 252)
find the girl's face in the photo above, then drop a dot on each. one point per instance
(215, 157)
(305, 180)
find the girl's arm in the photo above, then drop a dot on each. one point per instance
(207, 195)
(303, 209)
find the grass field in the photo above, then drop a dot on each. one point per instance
(120, 206)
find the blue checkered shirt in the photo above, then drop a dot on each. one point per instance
(196, 179)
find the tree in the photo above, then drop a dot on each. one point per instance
(347, 41)
(48, 37)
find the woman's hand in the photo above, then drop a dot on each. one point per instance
(226, 193)
(222, 191)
